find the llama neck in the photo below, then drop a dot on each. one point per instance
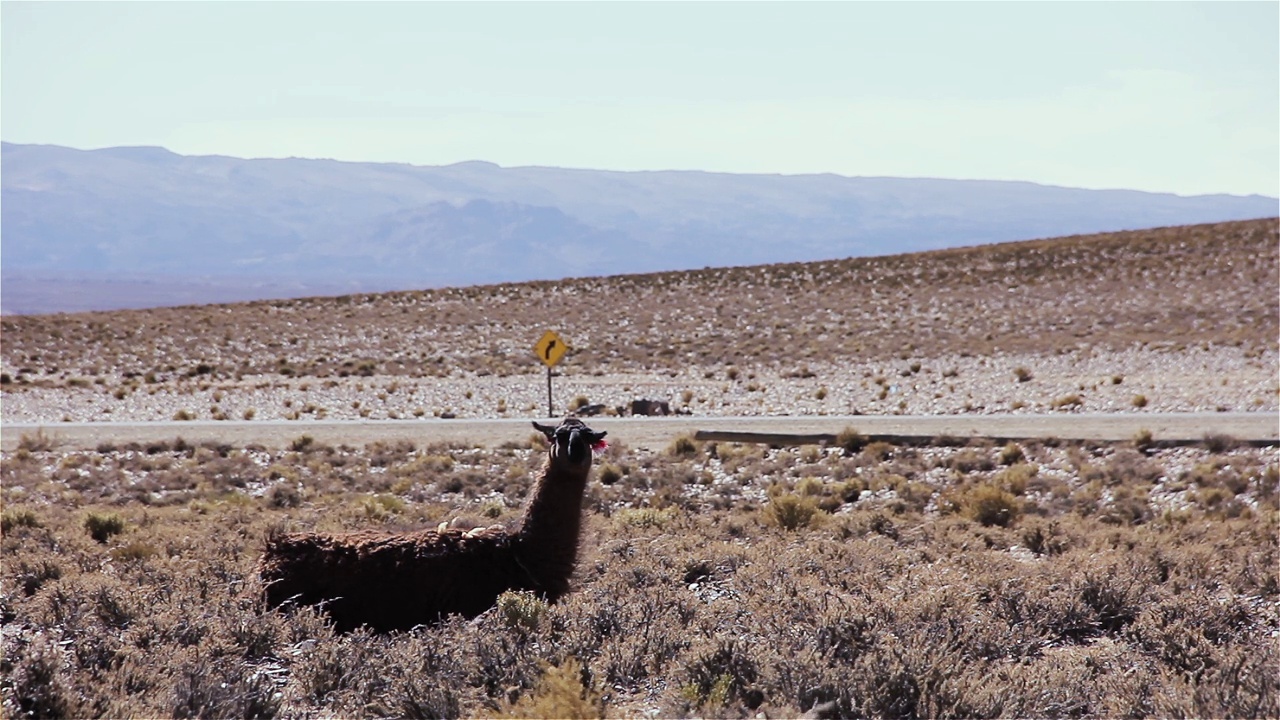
(552, 519)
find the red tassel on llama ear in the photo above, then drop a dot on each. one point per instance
(599, 446)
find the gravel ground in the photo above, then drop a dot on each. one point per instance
(1139, 381)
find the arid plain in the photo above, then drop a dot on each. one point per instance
(1179, 319)
(716, 579)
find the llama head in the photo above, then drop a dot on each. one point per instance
(572, 442)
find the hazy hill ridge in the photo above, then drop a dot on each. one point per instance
(179, 229)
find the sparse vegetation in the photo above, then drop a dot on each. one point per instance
(560, 693)
(14, 518)
(102, 526)
(39, 441)
(683, 445)
(1129, 299)
(851, 441)
(1074, 558)
(1068, 402)
(792, 512)
(1038, 579)
(1143, 440)
(1011, 454)
(991, 505)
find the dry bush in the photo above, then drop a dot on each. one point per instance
(851, 441)
(683, 445)
(792, 512)
(102, 526)
(991, 505)
(560, 693)
(692, 607)
(38, 441)
(1011, 453)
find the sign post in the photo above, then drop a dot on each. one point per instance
(550, 348)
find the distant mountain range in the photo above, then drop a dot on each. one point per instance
(142, 226)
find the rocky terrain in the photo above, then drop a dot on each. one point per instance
(1175, 319)
(967, 578)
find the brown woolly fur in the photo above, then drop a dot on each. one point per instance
(398, 581)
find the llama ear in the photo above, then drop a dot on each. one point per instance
(548, 431)
(596, 440)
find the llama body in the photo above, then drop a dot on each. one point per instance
(397, 581)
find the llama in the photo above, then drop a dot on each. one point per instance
(397, 581)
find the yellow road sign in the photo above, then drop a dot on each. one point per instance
(550, 348)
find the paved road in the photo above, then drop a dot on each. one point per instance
(658, 432)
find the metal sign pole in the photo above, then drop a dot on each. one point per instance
(549, 349)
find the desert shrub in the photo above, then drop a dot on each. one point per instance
(609, 473)
(1143, 440)
(1011, 453)
(38, 685)
(646, 517)
(971, 460)
(284, 495)
(560, 693)
(851, 441)
(720, 675)
(34, 573)
(38, 441)
(1068, 402)
(381, 507)
(1220, 443)
(1113, 593)
(1045, 538)
(990, 505)
(810, 487)
(877, 451)
(1268, 484)
(683, 445)
(424, 465)
(521, 610)
(223, 687)
(102, 526)
(1127, 467)
(386, 454)
(792, 512)
(135, 551)
(1139, 401)
(1022, 374)
(16, 518)
(1015, 477)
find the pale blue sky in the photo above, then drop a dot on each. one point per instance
(1174, 97)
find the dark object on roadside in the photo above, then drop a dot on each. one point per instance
(650, 407)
